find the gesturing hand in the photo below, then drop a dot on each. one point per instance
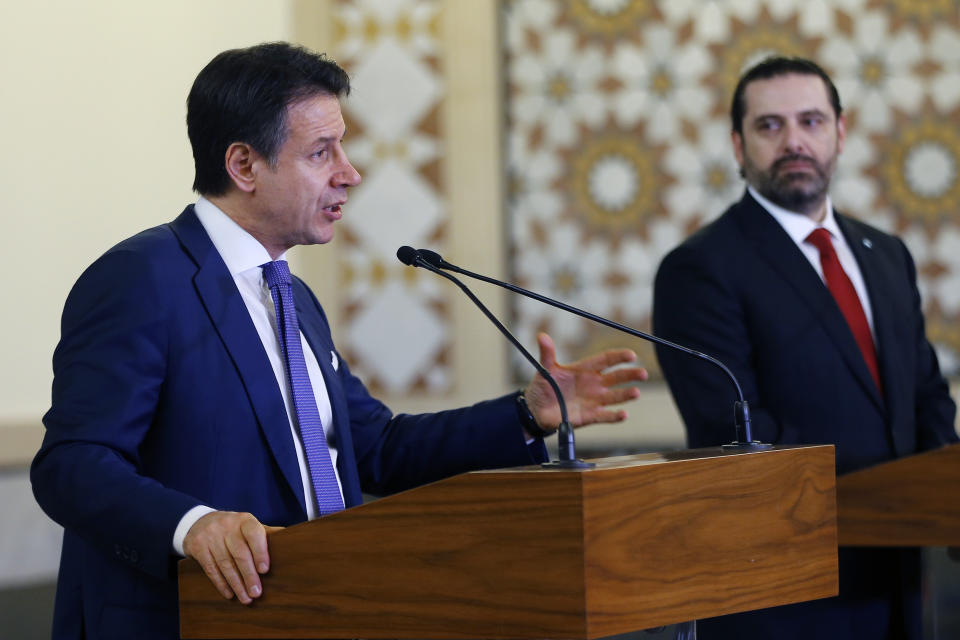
(232, 549)
(587, 386)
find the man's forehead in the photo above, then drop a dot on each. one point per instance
(317, 115)
(788, 93)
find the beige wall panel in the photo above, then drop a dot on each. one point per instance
(95, 149)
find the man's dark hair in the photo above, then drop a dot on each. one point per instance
(242, 95)
(774, 67)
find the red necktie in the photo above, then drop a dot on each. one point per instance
(846, 296)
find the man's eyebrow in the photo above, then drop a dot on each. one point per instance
(330, 138)
(814, 111)
(324, 141)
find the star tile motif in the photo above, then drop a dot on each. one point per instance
(625, 154)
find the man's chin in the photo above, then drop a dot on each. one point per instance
(801, 200)
(324, 233)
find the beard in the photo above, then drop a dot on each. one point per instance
(801, 191)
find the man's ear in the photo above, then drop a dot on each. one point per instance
(841, 132)
(737, 139)
(239, 162)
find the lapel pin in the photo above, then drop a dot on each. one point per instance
(868, 243)
(334, 362)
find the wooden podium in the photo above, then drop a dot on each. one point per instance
(636, 542)
(910, 502)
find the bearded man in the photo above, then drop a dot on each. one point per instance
(819, 317)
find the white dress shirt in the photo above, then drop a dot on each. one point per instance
(243, 255)
(798, 226)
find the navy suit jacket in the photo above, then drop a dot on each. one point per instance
(164, 399)
(740, 290)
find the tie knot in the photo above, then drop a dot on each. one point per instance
(276, 273)
(820, 238)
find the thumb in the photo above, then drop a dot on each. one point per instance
(548, 352)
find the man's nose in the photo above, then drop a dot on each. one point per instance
(346, 175)
(793, 138)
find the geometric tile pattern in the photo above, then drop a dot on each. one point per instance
(395, 319)
(617, 141)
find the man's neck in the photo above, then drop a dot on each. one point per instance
(233, 204)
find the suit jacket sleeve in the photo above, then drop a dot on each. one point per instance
(109, 371)
(696, 306)
(935, 409)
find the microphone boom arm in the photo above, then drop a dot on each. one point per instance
(742, 421)
(566, 443)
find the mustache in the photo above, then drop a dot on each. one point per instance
(795, 157)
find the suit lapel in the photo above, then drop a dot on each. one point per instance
(778, 250)
(881, 303)
(230, 318)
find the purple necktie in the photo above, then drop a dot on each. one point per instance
(322, 476)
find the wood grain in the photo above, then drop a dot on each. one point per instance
(639, 541)
(910, 502)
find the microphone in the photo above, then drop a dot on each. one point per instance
(567, 447)
(741, 410)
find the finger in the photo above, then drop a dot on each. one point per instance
(243, 561)
(255, 535)
(602, 416)
(228, 568)
(209, 566)
(616, 396)
(605, 359)
(624, 376)
(548, 352)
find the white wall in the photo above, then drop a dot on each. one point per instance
(92, 105)
(94, 149)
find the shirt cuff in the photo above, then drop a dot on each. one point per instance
(188, 520)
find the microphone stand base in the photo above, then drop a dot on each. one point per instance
(754, 445)
(568, 464)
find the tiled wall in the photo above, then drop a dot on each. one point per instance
(394, 321)
(618, 145)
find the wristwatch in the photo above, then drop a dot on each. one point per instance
(527, 420)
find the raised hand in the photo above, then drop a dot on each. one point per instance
(589, 386)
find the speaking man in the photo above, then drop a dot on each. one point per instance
(198, 398)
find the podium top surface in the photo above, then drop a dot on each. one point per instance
(642, 459)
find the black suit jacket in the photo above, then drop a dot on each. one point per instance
(740, 290)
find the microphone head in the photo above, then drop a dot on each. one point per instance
(432, 257)
(407, 255)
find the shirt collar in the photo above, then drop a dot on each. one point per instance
(797, 225)
(240, 250)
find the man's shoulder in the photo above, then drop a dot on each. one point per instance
(155, 254)
(861, 229)
(153, 243)
(719, 237)
(867, 240)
